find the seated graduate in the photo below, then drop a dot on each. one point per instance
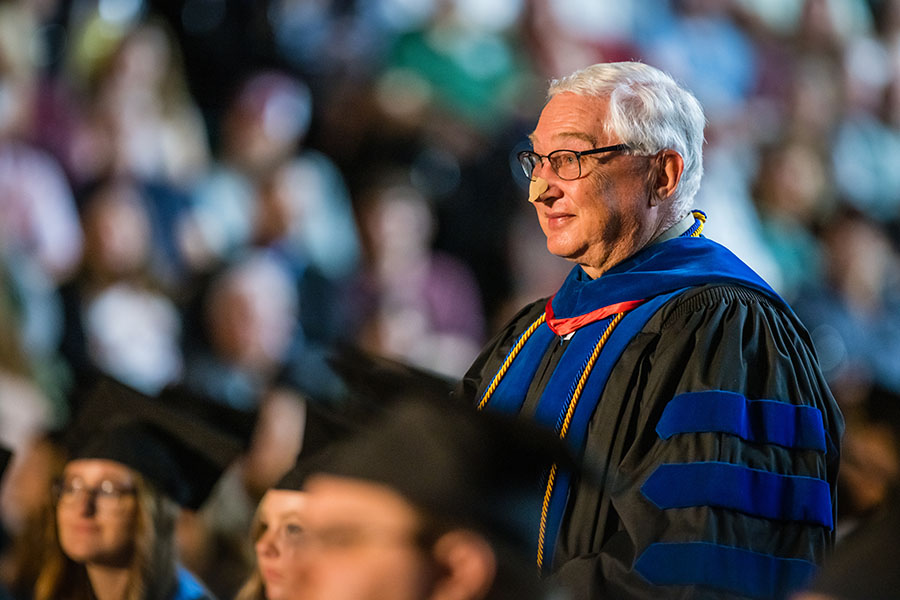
(134, 464)
(278, 533)
(430, 500)
(278, 530)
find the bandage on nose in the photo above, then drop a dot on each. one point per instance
(538, 186)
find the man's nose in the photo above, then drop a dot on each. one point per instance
(542, 168)
(537, 187)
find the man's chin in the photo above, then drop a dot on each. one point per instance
(565, 251)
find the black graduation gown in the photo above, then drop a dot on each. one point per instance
(713, 337)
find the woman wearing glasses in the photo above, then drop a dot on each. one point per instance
(112, 535)
(112, 527)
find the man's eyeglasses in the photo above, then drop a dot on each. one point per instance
(565, 163)
(107, 495)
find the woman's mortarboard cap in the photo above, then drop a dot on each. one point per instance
(180, 454)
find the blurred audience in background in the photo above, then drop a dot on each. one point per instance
(415, 303)
(118, 320)
(216, 193)
(248, 321)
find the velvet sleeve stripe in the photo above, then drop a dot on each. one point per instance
(724, 568)
(736, 487)
(761, 421)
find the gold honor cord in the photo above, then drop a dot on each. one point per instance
(511, 357)
(570, 410)
(531, 329)
(700, 217)
(573, 402)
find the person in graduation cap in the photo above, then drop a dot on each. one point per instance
(133, 465)
(429, 500)
(278, 532)
(279, 524)
(664, 360)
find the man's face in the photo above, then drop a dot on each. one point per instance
(605, 215)
(362, 544)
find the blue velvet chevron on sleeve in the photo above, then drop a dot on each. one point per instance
(758, 493)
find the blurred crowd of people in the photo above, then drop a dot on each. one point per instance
(214, 194)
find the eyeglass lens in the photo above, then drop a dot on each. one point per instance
(565, 163)
(107, 494)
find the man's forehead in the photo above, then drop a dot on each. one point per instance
(571, 117)
(565, 136)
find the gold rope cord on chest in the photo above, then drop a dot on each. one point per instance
(570, 408)
(564, 430)
(573, 401)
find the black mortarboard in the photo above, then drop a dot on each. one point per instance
(194, 404)
(180, 454)
(293, 480)
(306, 465)
(485, 471)
(372, 383)
(376, 380)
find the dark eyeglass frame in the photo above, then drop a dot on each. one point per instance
(529, 159)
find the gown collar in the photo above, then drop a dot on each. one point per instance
(664, 266)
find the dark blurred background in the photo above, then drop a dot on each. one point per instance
(214, 193)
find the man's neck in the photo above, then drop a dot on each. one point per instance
(675, 230)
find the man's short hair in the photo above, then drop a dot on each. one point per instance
(649, 111)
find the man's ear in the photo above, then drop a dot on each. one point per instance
(467, 564)
(667, 175)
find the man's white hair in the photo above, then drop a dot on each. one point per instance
(648, 111)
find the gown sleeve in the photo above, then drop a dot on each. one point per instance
(717, 443)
